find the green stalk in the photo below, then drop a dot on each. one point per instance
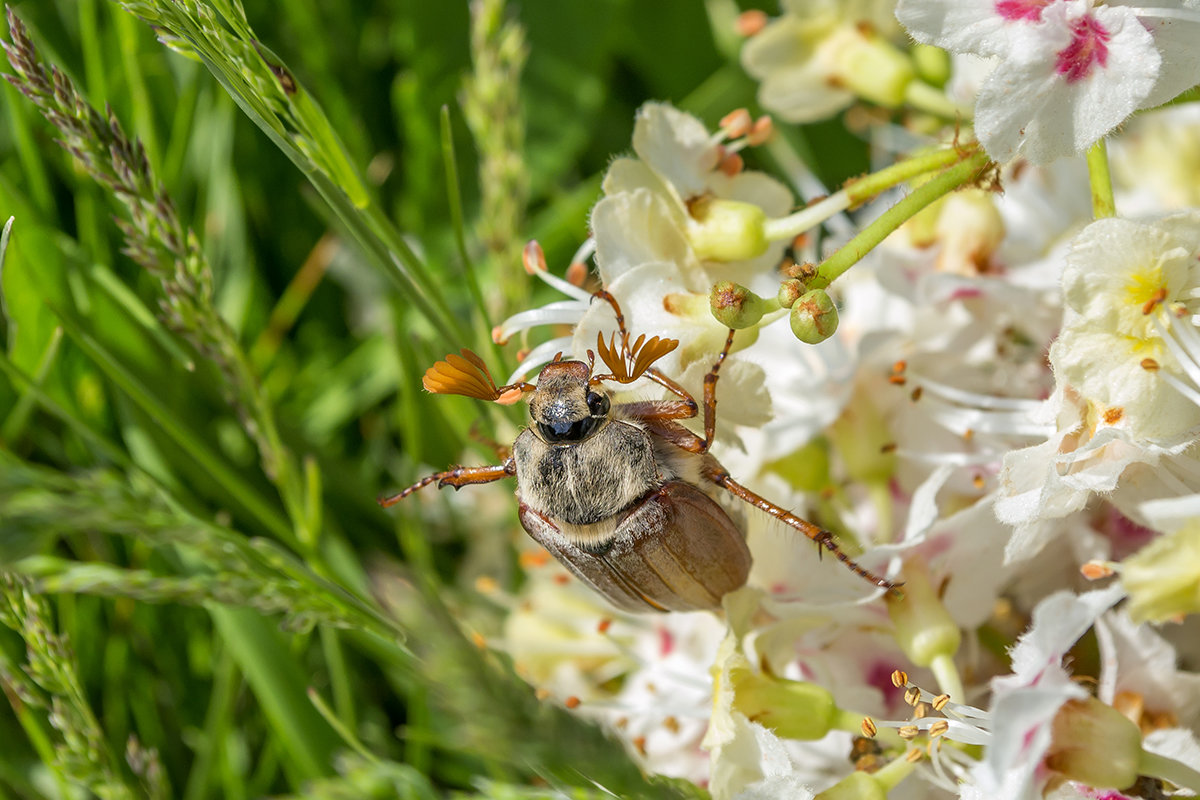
(863, 189)
(454, 196)
(18, 417)
(33, 164)
(869, 237)
(27, 385)
(860, 190)
(1169, 769)
(140, 102)
(342, 730)
(93, 52)
(217, 721)
(280, 686)
(340, 681)
(1103, 204)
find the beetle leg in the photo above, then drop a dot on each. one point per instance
(715, 473)
(657, 410)
(502, 451)
(604, 295)
(457, 477)
(652, 411)
(710, 393)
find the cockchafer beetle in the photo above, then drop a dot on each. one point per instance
(622, 495)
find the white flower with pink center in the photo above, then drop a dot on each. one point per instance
(1067, 72)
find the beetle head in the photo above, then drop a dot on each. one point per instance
(565, 408)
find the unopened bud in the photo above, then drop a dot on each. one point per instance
(871, 66)
(790, 291)
(814, 317)
(726, 230)
(932, 63)
(736, 306)
(1094, 744)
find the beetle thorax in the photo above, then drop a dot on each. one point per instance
(577, 464)
(589, 483)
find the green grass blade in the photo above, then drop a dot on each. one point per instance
(280, 686)
(454, 197)
(214, 465)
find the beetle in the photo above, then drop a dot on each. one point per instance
(622, 495)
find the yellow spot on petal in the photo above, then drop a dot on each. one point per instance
(1146, 288)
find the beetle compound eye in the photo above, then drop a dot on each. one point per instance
(567, 431)
(597, 404)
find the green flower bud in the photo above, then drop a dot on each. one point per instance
(932, 63)
(792, 709)
(790, 291)
(871, 67)
(1163, 578)
(736, 306)
(814, 317)
(726, 230)
(1095, 744)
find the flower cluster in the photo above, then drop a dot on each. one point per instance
(1002, 405)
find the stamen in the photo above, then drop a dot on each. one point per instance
(567, 288)
(562, 312)
(761, 131)
(1096, 570)
(577, 273)
(736, 123)
(533, 257)
(751, 22)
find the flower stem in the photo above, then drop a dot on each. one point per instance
(946, 672)
(860, 190)
(854, 250)
(1169, 769)
(866, 187)
(806, 218)
(1102, 190)
(895, 771)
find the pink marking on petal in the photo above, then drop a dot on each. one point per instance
(1027, 738)
(965, 293)
(879, 675)
(1021, 10)
(1088, 48)
(1125, 535)
(666, 642)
